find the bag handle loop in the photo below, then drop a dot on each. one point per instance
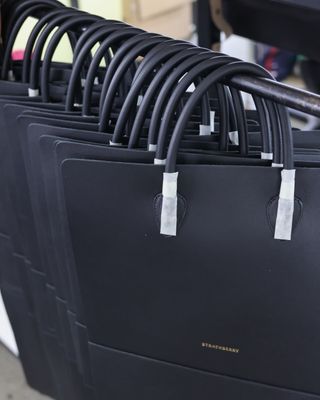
(153, 89)
(19, 8)
(170, 179)
(38, 50)
(168, 86)
(13, 36)
(200, 69)
(117, 59)
(160, 54)
(80, 58)
(110, 41)
(72, 24)
(26, 63)
(138, 50)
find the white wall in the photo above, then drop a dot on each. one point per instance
(6, 334)
(242, 48)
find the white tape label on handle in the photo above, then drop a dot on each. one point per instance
(266, 156)
(33, 92)
(191, 88)
(157, 161)
(284, 222)
(205, 130)
(139, 100)
(169, 204)
(83, 82)
(212, 120)
(152, 147)
(11, 76)
(234, 137)
(115, 144)
(275, 165)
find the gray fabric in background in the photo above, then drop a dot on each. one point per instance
(12, 382)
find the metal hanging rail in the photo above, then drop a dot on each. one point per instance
(289, 96)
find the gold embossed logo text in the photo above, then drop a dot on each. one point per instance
(227, 349)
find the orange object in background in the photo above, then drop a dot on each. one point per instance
(172, 18)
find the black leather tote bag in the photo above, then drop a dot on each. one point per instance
(33, 147)
(64, 380)
(161, 290)
(43, 144)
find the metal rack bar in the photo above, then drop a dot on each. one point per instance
(289, 96)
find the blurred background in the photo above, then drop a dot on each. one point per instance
(212, 23)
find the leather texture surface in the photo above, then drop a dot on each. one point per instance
(202, 286)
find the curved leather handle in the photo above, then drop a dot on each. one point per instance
(161, 53)
(200, 69)
(264, 114)
(19, 8)
(222, 74)
(79, 60)
(26, 64)
(118, 57)
(40, 44)
(140, 49)
(112, 40)
(13, 36)
(240, 125)
(275, 128)
(166, 90)
(91, 30)
(72, 24)
(85, 36)
(205, 109)
(286, 203)
(240, 121)
(153, 89)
